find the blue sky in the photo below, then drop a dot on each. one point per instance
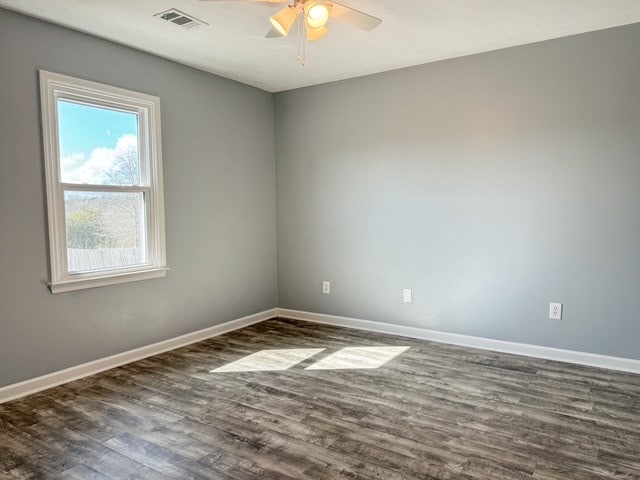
(83, 128)
(92, 139)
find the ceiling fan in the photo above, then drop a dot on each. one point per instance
(312, 17)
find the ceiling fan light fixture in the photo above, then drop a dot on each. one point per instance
(316, 33)
(317, 15)
(283, 20)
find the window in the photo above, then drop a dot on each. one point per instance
(103, 171)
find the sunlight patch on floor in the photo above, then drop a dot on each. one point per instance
(269, 360)
(358, 358)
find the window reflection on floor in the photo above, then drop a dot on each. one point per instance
(269, 360)
(346, 358)
(358, 358)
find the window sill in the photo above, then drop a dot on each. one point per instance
(105, 280)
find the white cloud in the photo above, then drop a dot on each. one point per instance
(77, 168)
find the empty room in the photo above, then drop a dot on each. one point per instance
(317, 240)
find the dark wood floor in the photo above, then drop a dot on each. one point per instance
(434, 411)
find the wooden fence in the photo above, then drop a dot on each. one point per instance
(82, 259)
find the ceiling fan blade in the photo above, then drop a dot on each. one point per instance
(273, 33)
(353, 17)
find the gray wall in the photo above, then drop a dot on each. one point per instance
(219, 172)
(491, 185)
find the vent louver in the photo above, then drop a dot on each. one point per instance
(181, 19)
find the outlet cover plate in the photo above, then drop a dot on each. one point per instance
(555, 311)
(407, 296)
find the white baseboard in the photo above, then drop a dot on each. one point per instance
(27, 387)
(569, 356)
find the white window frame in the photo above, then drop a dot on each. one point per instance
(54, 87)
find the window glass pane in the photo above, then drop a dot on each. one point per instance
(98, 146)
(104, 230)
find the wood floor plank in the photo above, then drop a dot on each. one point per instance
(82, 472)
(433, 412)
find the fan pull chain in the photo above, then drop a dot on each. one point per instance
(302, 42)
(304, 48)
(299, 40)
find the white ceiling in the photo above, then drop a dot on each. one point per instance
(412, 32)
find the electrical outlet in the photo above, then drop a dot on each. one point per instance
(555, 311)
(407, 297)
(326, 287)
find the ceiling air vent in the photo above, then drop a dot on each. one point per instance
(181, 19)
